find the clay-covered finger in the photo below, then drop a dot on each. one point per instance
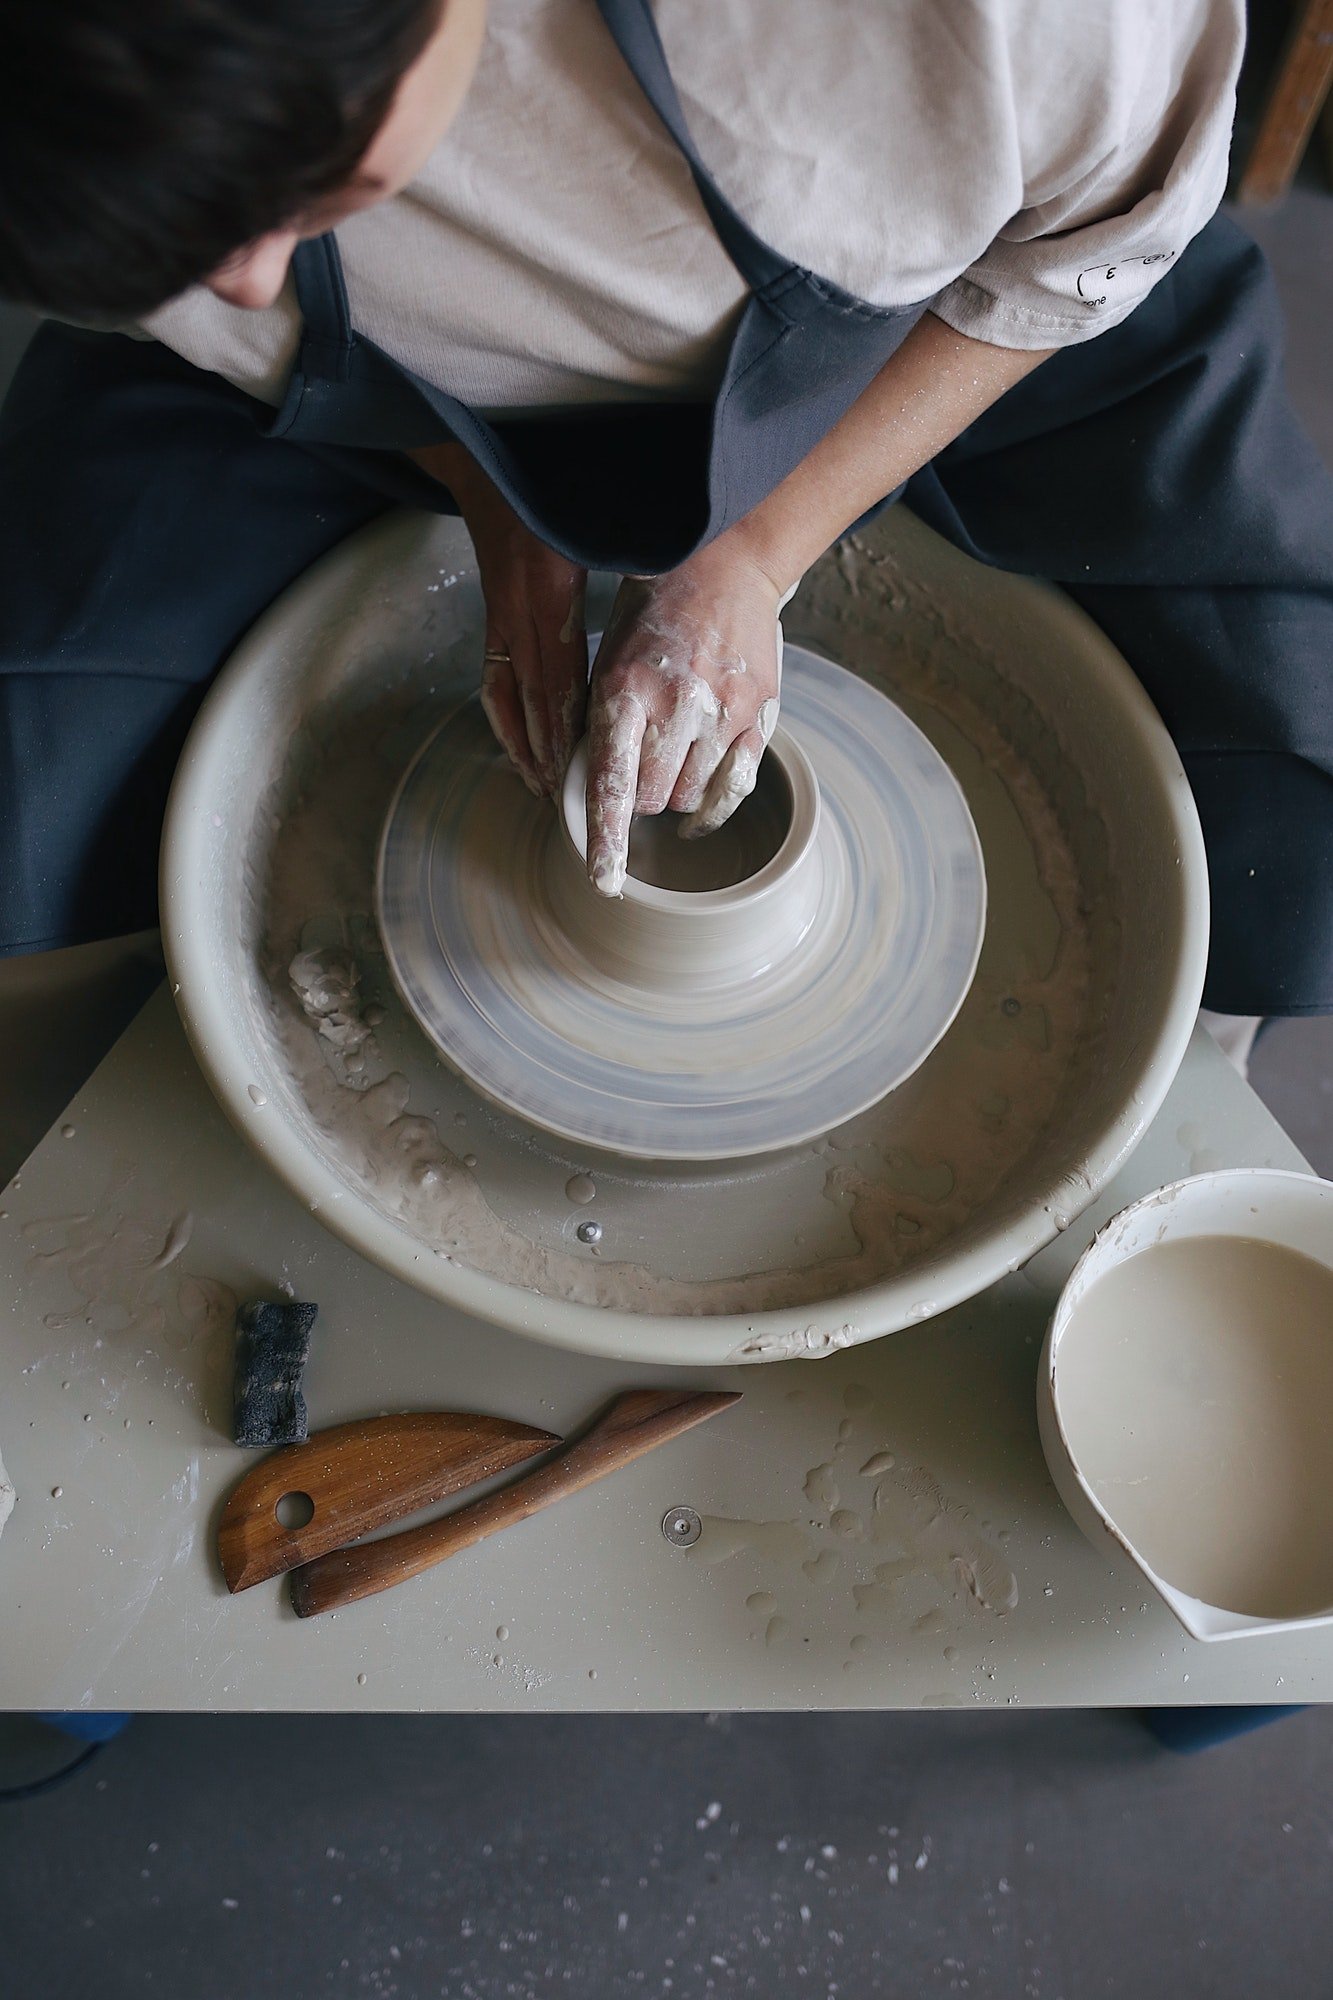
(565, 673)
(702, 764)
(503, 709)
(684, 722)
(696, 774)
(532, 694)
(615, 736)
(732, 781)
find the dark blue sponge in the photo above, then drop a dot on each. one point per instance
(272, 1348)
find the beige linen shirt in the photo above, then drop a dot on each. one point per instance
(1031, 167)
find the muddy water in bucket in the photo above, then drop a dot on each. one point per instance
(1197, 1394)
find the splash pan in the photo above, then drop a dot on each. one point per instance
(1081, 1006)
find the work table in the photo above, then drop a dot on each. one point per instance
(115, 1382)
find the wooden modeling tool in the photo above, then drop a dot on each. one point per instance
(634, 1424)
(359, 1477)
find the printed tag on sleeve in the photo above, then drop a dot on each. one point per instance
(1103, 283)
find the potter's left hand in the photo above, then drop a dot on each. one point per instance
(684, 700)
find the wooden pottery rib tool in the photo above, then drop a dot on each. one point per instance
(360, 1476)
(633, 1425)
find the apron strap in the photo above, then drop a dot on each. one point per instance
(326, 349)
(634, 31)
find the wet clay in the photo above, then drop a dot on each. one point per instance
(867, 1564)
(739, 849)
(125, 1272)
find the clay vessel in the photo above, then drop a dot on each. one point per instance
(698, 916)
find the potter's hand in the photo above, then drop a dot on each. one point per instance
(534, 681)
(684, 699)
(684, 693)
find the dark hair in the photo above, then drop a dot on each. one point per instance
(143, 142)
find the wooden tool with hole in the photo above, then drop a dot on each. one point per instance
(361, 1476)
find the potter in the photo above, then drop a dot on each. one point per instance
(565, 268)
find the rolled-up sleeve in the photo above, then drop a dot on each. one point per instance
(1121, 172)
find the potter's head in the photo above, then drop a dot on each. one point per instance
(150, 145)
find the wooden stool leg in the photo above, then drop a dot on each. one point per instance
(1304, 77)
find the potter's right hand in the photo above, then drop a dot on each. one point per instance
(534, 682)
(684, 699)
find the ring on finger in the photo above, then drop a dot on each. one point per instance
(496, 657)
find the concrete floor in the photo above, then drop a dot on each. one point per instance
(1044, 1857)
(1018, 1857)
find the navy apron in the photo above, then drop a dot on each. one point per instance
(1156, 472)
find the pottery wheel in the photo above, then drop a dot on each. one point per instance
(471, 917)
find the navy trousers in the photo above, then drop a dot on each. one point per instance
(1157, 473)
